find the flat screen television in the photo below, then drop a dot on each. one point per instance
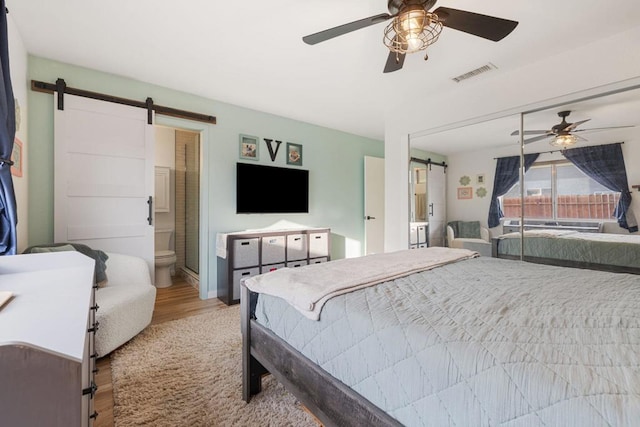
(269, 189)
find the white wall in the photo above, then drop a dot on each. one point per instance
(470, 164)
(19, 81)
(591, 66)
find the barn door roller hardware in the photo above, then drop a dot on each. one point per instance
(60, 87)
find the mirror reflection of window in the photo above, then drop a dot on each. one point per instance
(558, 190)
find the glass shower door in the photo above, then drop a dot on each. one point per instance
(192, 205)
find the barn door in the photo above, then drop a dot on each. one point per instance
(104, 157)
(436, 204)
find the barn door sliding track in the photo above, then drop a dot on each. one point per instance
(61, 88)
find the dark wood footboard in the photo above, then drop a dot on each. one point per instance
(330, 400)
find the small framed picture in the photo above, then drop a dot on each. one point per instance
(465, 192)
(16, 158)
(480, 179)
(294, 154)
(249, 147)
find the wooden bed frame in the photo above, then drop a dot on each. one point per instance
(495, 252)
(330, 400)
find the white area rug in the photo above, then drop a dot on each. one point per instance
(188, 372)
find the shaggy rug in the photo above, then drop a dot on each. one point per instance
(187, 372)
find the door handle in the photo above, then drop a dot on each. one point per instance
(430, 209)
(369, 217)
(150, 217)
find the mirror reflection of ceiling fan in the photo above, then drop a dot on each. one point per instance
(564, 134)
(414, 28)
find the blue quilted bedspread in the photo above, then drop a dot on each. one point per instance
(482, 342)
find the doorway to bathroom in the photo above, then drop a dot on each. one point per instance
(178, 186)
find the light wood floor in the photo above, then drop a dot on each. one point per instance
(175, 302)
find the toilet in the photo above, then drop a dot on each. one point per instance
(165, 258)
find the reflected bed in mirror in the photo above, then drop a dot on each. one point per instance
(555, 190)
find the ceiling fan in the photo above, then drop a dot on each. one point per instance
(414, 28)
(564, 133)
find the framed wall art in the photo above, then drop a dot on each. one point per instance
(464, 180)
(294, 154)
(16, 158)
(249, 147)
(465, 193)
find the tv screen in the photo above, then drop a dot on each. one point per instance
(268, 189)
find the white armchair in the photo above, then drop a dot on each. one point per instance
(126, 302)
(481, 245)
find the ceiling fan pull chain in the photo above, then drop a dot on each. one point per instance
(426, 56)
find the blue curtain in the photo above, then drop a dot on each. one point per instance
(605, 164)
(8, 215)
(507, 175)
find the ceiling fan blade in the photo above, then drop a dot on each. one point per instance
(487, 27)
(345, 28)
(572, 126)
(529, 132)
(537, 138)
(605, 128)
(395, 61)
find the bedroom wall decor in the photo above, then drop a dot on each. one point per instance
(465, 180)
(249, 147)
(294, 154)
(465, 193)
(481, 192)
(16, 157)
(272, 153)
(480, 179)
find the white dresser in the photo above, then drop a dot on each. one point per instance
(46, 340)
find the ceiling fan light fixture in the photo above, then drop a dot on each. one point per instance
(413, 30)
(564, 140)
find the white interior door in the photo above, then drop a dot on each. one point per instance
(374, 205)
(436, 204)
(104, 175)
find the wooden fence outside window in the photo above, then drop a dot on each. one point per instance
(575, 206)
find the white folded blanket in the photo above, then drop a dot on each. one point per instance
(308, 288)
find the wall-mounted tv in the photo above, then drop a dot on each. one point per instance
(269, 189)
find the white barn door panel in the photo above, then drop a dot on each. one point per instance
(104, 166)
(436, 204)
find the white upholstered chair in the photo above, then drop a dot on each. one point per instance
(126, 302)
(481, 245)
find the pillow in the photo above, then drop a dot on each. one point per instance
(470, 229)
(45, 249)
(97, 255)
(466, 229)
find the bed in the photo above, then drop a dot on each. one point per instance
(475, 341)
(598, 251)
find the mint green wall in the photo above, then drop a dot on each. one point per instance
(334, 159)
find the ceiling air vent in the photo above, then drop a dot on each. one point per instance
(475, 72)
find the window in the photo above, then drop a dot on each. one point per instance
(559, 190)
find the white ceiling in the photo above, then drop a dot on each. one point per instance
(250, 53)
